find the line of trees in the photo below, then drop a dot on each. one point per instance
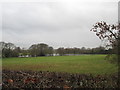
(83, 50)
(35, 50)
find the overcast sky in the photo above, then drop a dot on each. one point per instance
(57, 23)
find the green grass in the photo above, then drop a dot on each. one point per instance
(94, 64)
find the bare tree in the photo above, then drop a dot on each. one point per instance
(108, 32)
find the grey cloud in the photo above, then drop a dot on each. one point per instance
(56, 23)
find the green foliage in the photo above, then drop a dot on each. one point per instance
(66, 51)
(9, 50)
(113, 58)
(40, 50)
(35, 50)
(94, 64)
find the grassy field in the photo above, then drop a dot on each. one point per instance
(94, 64)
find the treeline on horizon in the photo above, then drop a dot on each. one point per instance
(35, 50)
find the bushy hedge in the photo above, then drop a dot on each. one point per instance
(46, 79)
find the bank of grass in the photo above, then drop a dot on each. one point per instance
(84, 64)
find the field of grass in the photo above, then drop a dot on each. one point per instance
(94, 64)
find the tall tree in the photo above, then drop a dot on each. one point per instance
(43, 49)
(7, 49)
(40, 50)
(50, 51)
(33, 50)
